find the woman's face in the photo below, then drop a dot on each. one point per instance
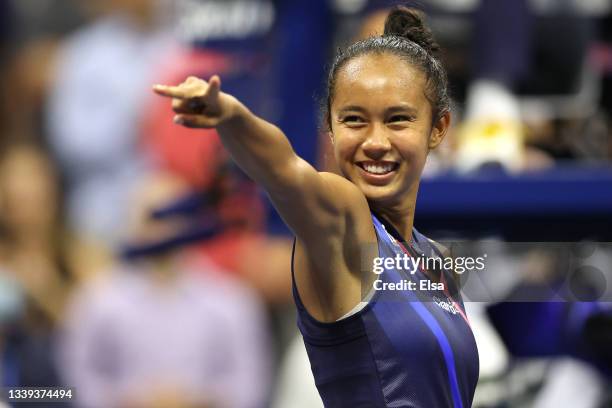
(381, 125)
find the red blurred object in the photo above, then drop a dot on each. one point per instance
(192, 154)
(197, 155)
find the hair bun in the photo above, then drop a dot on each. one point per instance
(408, 23)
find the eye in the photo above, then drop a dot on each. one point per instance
(353, 120)
(401, 118)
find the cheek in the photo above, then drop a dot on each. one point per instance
(345, 145)
(413, 149)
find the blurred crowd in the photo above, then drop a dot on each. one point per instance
(141, 267)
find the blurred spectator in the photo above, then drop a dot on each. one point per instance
(34, 19)
(40, 263)
(28, 78)
(6, 39)
(30, 33)
(170, 330)
(102, 75)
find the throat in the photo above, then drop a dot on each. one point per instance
(401, 222)
(401, 230)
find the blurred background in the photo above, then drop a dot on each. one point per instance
(140, 266)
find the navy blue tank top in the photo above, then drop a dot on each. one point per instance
(405, 348)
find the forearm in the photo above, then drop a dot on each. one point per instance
(261, 149)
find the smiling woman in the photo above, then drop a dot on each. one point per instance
(379, 105)
(387, 108)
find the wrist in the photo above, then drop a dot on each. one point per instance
(235, 110)
(231, 106)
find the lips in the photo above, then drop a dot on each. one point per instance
(377, 172)
(378, 168)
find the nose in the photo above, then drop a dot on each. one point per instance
(377, 144)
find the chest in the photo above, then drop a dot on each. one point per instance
(421, 321)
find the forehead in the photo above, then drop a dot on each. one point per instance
(375, 78)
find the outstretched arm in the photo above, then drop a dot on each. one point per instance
(328, 214)
(311, 203)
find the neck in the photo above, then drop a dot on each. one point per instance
(400, 215)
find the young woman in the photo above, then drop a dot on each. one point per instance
(387, 107)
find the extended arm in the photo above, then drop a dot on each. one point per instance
(328, 214)
(311, 203)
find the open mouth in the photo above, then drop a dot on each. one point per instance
(378, 168)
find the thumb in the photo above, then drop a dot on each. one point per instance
(214, 87)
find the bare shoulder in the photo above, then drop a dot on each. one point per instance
(318, 210)
(356, 223)
(344, 190)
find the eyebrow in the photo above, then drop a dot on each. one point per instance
(393, 109)
(353, 108)
(402, 108)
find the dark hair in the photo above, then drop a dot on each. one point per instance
(406, 36)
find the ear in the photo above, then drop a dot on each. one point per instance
(331, 136)
(439, 130)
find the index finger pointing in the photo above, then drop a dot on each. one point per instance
(170, 91)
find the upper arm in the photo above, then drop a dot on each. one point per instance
(317, 205)
(331, 219)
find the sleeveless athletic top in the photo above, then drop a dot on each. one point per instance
(405, 348)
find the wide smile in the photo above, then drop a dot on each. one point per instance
(377, 172)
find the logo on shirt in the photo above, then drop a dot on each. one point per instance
(446, 305)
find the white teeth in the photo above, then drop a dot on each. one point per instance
(378, 169)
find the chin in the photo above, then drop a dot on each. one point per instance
(379, 194)
(390, 194)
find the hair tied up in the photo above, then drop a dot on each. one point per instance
(409, 23)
